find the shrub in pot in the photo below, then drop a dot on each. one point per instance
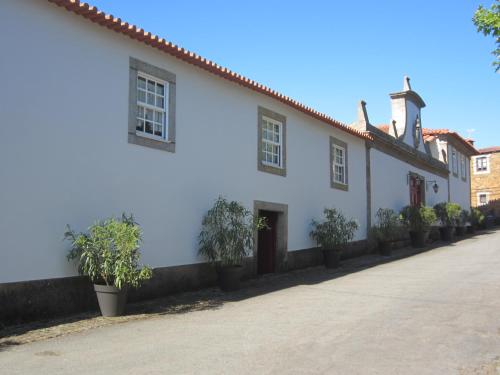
(332, 235)
(419, 221)
(476, 219)
(109, 255)
(448, 215)
(226, 238)
(463, 220)
(387, 229)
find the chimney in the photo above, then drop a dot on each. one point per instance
(362, 122)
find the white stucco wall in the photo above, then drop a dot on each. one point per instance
(66, 159)
(389, 183)
(459, 188)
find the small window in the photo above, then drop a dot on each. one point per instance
(338, 164)
(482, 199)
(271, 142)
(463, 169)
(151, 107)
(454, 161)
(151, 119)
(482, 165)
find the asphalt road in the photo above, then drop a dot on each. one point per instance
(433, 313)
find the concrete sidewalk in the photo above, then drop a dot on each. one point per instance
(434, 313)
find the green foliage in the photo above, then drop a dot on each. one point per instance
(109, 252)
(448, 213)
(464, 218)
(227, 233)
(487, 21)
(476, 216)
(389, 226)
(335, 231)
(418, 218)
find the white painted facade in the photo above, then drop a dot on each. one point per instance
(66, 158)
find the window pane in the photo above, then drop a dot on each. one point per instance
(140, 125)
(149, 127)
(151, 86)
(149, 114)
(158, 130)
(160, 90)
(141, 82)
(140, 111)
(159, 117)
(141, 96)
(151, 99)
(160, 103)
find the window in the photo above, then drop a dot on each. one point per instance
(271, 142)
(338, 164)
(151, 106)
(482, 198)
(454, 161)
(463, 169)
(482, 164)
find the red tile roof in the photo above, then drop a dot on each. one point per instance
(429, 134)
(116, 24)
(488, 150)
(384, 128)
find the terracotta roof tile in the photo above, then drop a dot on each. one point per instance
(488, 150)
(427, 133)
(93, 14)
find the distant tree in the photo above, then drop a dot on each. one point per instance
(487, 22)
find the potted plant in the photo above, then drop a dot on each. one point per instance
(387, 229)
(448, 214)
(476, 220)
(332, 234)
(419, 221)
(226, 238)
(109, 255)
(462, 221)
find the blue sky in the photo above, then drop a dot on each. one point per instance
(331, 54)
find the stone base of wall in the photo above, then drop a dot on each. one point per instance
(42, 299)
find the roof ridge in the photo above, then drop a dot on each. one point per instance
(95, 15)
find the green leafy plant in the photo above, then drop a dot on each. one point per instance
(227, 233)
(487, 21)
(418, 219)
(335, 231)
(109, 252)
(389, 225)
(448, 213)
(464, 218)
(476, 216)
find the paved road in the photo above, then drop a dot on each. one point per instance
(434, 313)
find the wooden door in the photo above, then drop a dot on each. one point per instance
(266, 244)
(416, 192)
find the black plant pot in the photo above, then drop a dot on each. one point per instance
(230, 277)
(332, 258)
(471, 229)
(446, 233)
(385, 248)
(460, 231)
(418, 238)
(111, 299)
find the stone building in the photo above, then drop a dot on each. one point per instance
(485, 173)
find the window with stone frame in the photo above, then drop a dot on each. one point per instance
(338, 164)
(271, 142)
(481, 164)
(482, 199)
(454, 161)
(463, 169)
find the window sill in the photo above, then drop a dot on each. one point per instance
(268, 168)
(339, 186)
(150, 142)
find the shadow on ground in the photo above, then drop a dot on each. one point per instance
(205, 299)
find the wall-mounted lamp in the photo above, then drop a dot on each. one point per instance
(435, 186)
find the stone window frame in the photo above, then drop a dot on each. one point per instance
(487, 157)
(463, 167)
(454, 161)
(136, 66)
(478, 198)
(334, 184)
(261, 166)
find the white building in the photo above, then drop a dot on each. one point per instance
(100, 118)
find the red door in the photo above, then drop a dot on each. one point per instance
(416, 191)
(266, 244)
